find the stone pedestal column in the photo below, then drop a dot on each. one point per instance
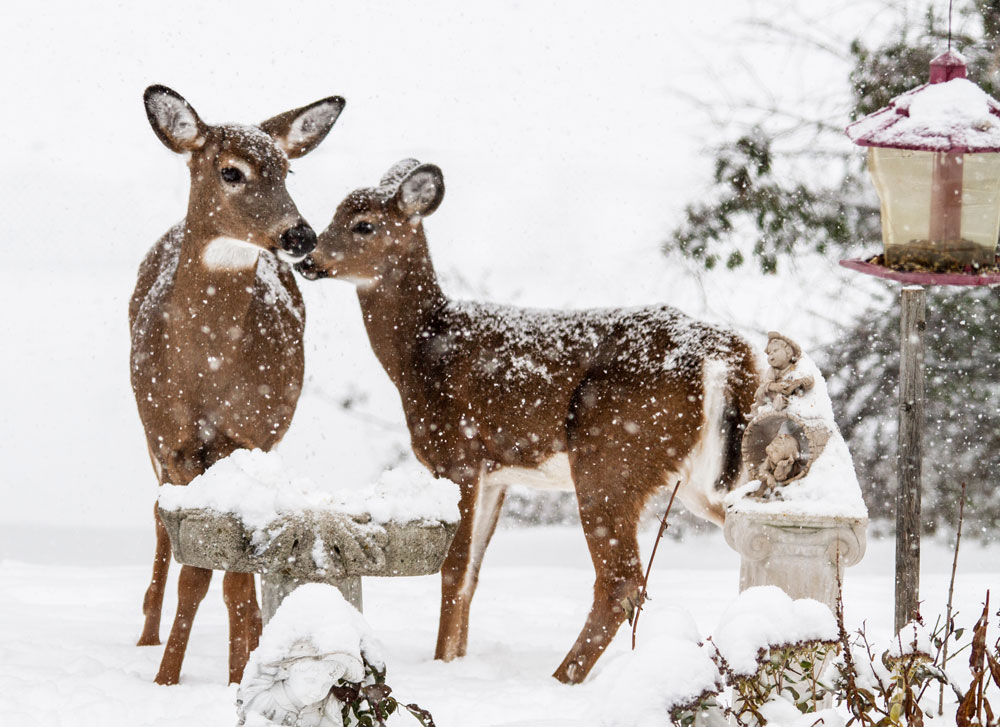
(275, 588)
(799, 554)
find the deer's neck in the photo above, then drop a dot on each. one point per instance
(214, 284)
(399, 310)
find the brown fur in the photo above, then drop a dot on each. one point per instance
(216, 356)
(488, 387)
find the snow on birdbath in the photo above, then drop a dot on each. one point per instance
(247, 513)
(801, 520)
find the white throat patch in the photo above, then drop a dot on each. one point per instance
(359, 282)
(228, 253)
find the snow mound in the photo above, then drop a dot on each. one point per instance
(831, 487)
(913, 638)
(943, 106)
(317, 614)
(765, 617)
(669, 669)
(667, 622)
(258, 488)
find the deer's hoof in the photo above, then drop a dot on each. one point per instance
(148, 640)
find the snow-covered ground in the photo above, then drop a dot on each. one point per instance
(67, 632)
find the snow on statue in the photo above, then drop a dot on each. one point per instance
(315, 642)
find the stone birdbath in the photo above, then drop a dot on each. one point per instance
(801, 519)
(247, 514)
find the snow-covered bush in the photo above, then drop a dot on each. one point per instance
(767, 647)
(785, 661)
(885, 686)
(892, 685)
(772, 650)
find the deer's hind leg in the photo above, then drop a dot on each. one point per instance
(609, 523)
(152, 603)
(480, 508)
(615, 468)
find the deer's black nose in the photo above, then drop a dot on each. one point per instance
(299, 240)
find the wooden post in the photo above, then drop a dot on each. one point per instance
(910, 452)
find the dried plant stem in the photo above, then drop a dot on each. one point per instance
(649, 566)
(851, 697)
(948, 626)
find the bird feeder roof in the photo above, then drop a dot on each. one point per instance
(949, 114)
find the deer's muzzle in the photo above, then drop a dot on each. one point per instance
(298, 241)
(307, 268)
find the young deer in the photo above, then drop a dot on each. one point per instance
(614, 403)
(216, 323)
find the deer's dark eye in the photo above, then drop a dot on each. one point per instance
(232, 175)
(363, 228)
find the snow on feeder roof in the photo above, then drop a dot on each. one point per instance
(934, 156)
(949, 114)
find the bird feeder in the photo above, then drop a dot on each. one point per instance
(934, 155)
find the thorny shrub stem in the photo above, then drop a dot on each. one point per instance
(948, 626)
(649, 566)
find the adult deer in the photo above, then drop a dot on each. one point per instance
(614, 403)
(216, 322)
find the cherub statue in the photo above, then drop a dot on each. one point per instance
(779, 380)
(780, 465)
(297, 690)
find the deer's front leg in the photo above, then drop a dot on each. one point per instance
(240, 595)
(480, 508)
(192, 585)
(182, 465)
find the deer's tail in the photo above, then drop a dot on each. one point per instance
(742, 379)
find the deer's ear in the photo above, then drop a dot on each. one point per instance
(421, 191)
(299, 131)
(174, 121)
